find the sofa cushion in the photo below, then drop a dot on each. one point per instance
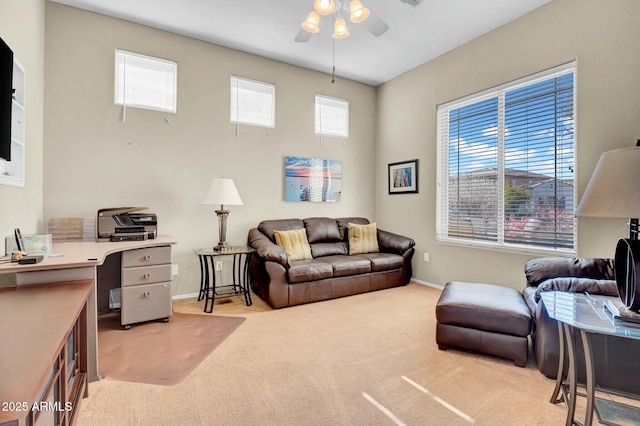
(268, 226)
(383, 261)
(322, 229)
(343, 225)
(329, 249)
(295, 243)
(363, 238)
(348, 265)
(302, 271)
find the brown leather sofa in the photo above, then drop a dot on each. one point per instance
(614, 357)
(332, 272)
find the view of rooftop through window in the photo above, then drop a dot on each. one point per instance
(510, 165)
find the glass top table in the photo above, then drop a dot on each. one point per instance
(590, 314)
(240, 284)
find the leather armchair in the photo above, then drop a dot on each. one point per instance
(614, 357)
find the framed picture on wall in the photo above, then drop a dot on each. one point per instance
(403, 177)
(312, 179)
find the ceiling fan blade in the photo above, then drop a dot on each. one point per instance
(303, 36)
(376, 25)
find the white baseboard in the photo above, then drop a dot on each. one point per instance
(184, 296)
(428, 284)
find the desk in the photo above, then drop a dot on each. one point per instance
(586, 314)
(240, 284)
(81, 261)
(42, 356)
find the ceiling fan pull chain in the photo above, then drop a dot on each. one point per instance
(333, 54)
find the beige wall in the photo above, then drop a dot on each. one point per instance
(94, 160)
(602, 36)
(22, 28)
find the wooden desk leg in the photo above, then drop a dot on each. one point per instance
(588, 361)
(571, 404)
(556, 396)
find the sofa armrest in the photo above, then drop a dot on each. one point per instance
(266, 249)
(538, 271)
(394, 243)
(578, 285)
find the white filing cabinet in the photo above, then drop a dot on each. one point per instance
(146, 285)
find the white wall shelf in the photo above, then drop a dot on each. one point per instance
(12, 172)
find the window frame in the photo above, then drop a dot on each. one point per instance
(272, 116)
(318, 129)
(442, 164)
(172, 65)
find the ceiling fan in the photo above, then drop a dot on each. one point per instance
(338, 9)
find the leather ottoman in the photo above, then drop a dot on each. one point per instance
(485, 318)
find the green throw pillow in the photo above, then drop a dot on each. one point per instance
(363, 238)
(295, 243)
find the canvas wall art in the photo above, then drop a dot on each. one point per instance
(312, 179)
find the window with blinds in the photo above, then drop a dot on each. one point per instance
(332, 117)
(506, 165)
(145, 82)
(253, 102)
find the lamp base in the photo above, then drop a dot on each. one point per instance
(222, 247)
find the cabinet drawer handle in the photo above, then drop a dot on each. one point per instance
(147, 258)
(147, 276)
(147, 294)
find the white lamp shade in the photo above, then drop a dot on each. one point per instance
(359, 13)
(340, 29)
(222, 191)
(311, 24)
(324, 7)
(614, 188)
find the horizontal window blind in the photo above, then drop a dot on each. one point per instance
(145, 82)
(253, 102)
(506, 165)
(332, 117)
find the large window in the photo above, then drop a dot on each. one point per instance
(332, 117)
(506, 165)
(253, 102)
(145, 82)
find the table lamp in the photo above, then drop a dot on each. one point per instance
(614, 191)
(222, 191)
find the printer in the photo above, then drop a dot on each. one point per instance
(122, 224)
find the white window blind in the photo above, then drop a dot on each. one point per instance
(253, 102)
(506, 165)
(332, 117)
(145, 82)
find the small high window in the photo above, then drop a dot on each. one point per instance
(145, 82)
(253, 102)
(332, 117)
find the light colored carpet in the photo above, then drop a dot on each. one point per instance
(338, 362)
(160, 353)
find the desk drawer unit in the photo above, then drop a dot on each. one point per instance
(145, 275)
(146, 285)
(145, 302)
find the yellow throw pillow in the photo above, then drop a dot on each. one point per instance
(295, 243)
(363, 238)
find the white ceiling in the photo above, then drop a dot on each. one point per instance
(416, 35)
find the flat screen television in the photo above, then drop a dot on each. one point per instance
(6, 98)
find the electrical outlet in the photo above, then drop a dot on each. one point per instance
(218, 265)
(174, 270)
(426, 257)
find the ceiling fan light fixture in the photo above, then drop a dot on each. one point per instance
(324, 7)
(359, 13)
(340, 29)
(311, 24)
